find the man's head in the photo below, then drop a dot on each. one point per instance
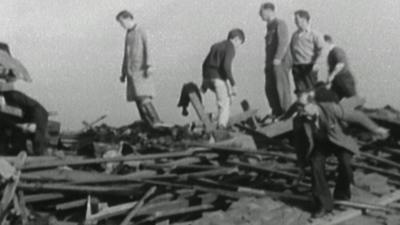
(302, 19)
(267, 11)
(126, 19)
(237, 37)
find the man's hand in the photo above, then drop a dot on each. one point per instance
(122, 79)
(277, 62)
(315, 68)
(149, 72)
(233, 91)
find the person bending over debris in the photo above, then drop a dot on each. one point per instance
(217, 73)
(33, 123)
(136, 69)
(340, 78)
(319, 133)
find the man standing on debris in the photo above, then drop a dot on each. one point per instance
(277, 85)
(322, 135)
(340, 78)
(306, 48)
(217, 73)
(136, 68)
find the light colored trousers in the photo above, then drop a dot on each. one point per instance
(220, 88)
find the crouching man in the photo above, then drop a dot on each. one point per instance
(33, 123)
(217, 73)
(320, 127)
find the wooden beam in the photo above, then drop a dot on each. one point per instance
(353, 213)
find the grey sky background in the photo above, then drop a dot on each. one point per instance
(74, 49)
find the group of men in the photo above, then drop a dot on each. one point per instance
(318, 124)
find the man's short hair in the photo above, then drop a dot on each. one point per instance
(236, 33)
(124, 14)
(5, 47)
(328, 38)
(303, 14)
(267, 6)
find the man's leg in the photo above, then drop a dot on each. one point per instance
(272, 92)
(320, 187)
(298, 77)
(223, 102)
(40, 118)
(283, 87)
(310, 76)
(345, 175)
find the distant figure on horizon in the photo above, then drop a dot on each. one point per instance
(277, 84)
(306, 48)
(217, 73)
(136, 69)
(340, 79)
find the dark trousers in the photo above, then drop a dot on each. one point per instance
(33, 112)
(320, 187)
(304, 77)
(277, 88)
(344, 85)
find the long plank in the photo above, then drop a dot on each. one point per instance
(353, 213)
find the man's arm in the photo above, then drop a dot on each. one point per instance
(283, 42)
(318, 47)
(135, 53)
(355, 116)
(228, 59)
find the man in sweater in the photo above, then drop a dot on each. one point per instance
(136, 68)
(306, 48)
(277, 85)
(217, 73)
(340, 78)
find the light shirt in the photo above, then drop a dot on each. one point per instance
(306, 46)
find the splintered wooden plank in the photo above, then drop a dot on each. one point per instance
(201, 113)
(277, 128)
(11, 110)
(9, 190)
(43, 197)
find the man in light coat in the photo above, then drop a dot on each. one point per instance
(136, 69)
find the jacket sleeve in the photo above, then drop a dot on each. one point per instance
(227, 65)
(146, 51)
(283, 40)
(355, 116)
(318, 46)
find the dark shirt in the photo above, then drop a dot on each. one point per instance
(277, 40)
(218, 63)
(336, 56)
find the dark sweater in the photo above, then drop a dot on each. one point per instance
(218, 63)
(336, 56)
(277, 40)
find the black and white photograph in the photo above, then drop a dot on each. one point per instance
(199, 112)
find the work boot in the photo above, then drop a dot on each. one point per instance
(150, 114)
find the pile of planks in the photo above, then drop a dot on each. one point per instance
(177, 181)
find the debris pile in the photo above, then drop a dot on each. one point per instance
(135, 174)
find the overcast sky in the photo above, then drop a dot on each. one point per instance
(74, 49)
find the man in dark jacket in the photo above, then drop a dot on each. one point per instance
(277, 85)
(340, 78)
(217, 73)
(320, 126)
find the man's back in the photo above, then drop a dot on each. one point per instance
(218, 62)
